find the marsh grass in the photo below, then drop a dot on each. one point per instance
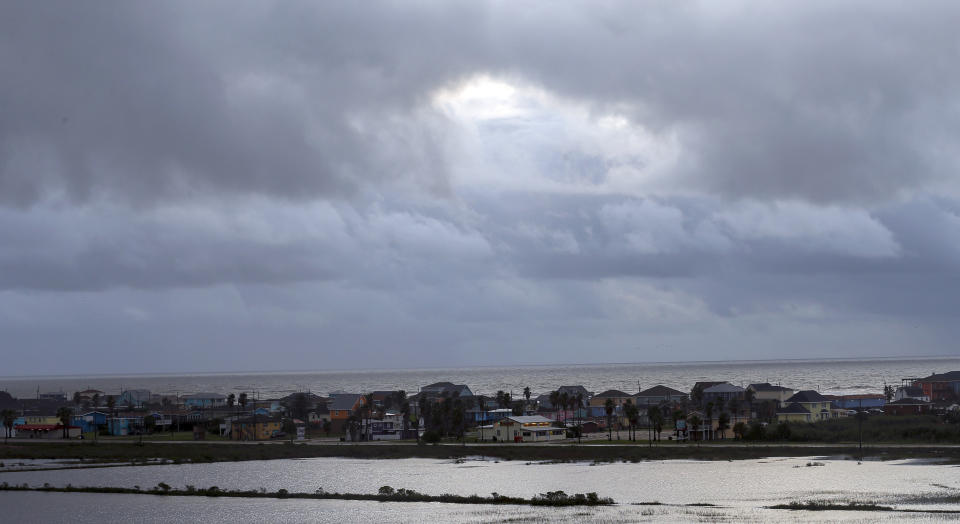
(385, 494)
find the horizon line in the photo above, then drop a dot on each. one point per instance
(471, 366)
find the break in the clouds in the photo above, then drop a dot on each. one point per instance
(210, 186)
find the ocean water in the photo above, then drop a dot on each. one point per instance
(842, 376)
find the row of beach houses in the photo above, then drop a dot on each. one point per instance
(704, 412)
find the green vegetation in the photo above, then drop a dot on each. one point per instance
(385, 494)
(878, 428)
(823, 505)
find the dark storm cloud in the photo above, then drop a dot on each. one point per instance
(703, 175)
(810, 100)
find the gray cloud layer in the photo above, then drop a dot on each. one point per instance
(758, 180)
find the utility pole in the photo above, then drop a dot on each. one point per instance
(860, 417)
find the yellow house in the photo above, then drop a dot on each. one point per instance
(527, 429)
(794, 413)
(250, 429)
(805, 406)
(41, 419)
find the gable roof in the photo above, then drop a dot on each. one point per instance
(573, 390)
(724, 387)
(793, 408)
(950, 376)
(344, 401)
(766, 386)
(529, 419)
(612, 393)
(441, 388)
(807, 395)
(660, 391)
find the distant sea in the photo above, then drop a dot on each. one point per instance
(840, 376)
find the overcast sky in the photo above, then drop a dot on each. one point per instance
(221, 186)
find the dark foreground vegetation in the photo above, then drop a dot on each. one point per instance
(885, 429)
(819, 505)
(226, 452)
(385, 494)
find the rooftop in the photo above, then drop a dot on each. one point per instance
(766, 386)
(950, 376)
(344, 401)
(807, 395)
(612, 393)
(530, 419)
(660, 391)
(724, 387)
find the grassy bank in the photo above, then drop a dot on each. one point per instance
(878, 429)
(386, 494)
(225, 452)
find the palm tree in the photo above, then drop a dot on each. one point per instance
(555, 402)
(65, 414)
(652, 413)
(111, 405)
(710, 419)
(723, 422)
(242, 401)
(526, 394)
(77, 399)
(368, 404)
(630, 410)
(8, 416)
(564, 402)
(658, 424)
(695, 424)
(609, 406)
(578, 398)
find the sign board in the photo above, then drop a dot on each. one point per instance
(301, 432)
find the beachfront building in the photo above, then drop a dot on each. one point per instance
(794, 412)
(720, 394)
(619, 398)
(42, 420)
(908, 406)
(341, 406)
(444, 389)
(816, 404)
(253, 428)
(941, 387)
(134, 397)
(389, 427)
(910, 392)
(532, 428)
(45, 431)
(858, 401)
(204, 400)
(766, 391)
(659, 395)
(90, 421)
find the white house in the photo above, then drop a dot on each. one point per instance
(527, 429)
(390, 427)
